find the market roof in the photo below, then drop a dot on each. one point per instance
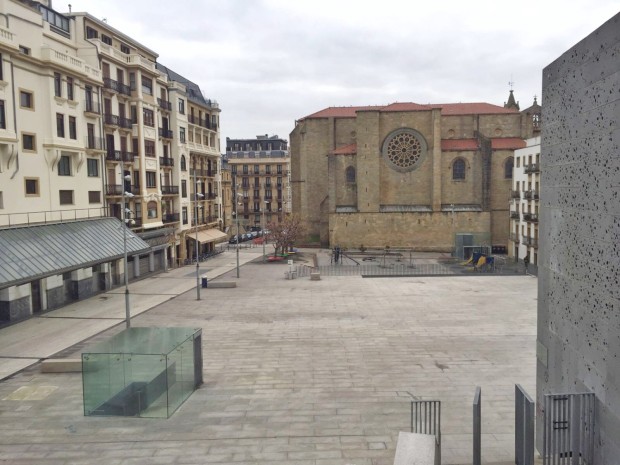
(34, 252)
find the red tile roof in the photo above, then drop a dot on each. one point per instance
(507, 143)
(346, 149)
(447, 109)
(459, 144)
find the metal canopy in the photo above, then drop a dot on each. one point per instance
(32, 252)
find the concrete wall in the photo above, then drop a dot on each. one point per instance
(579, 268)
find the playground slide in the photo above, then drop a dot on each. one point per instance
(481, 261)
(468, 262)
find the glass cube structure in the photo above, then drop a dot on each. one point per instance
(142, 372)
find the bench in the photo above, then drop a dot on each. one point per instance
(222, 284)
(315, 276)
(61, 365)
(416, 449)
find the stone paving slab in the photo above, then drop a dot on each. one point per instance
(306, 372)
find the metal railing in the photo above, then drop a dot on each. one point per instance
(477, 427)
(166, 161)
(91, 106)
(119, 155)
(515, 194)
(116, 86)
(532, 168)
(568, 429)
(170, 218)
(169, 190)
(531, 217)
(113, 189)
(165, 104)
(426, 419)
(514, 215)
(95, 143)
(524, 427)
(531, 194)
(514, 237)
(165, 133)
(51, 216)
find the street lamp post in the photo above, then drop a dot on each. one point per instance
(126, 210)
(263, 228)
(236, 218)
(197, 195)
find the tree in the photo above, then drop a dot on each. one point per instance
(286, 232)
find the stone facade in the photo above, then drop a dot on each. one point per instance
(579, 262)
(406, 175)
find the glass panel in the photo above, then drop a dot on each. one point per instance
(146, 372)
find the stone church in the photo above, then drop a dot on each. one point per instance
(408, 175)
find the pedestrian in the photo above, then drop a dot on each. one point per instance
(526, 261)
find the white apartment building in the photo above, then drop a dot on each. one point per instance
(524, 206)
(89, 118)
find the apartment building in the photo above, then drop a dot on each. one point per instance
(525, 203)
(91, 126)
(260, 170)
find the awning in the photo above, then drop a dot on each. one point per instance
(209, 235)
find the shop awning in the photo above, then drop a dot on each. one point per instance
(209, 235)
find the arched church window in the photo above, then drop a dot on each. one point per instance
(508, 166)
(350, 174)
(458, 169)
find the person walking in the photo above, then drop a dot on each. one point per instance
(526, 261)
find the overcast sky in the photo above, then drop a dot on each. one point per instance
(270, 62)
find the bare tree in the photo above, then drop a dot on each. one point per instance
(286, 232)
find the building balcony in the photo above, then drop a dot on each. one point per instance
(165, 133)
(170, 190)
(114, 189)
(125, 123)
(111, 120)
(120, 156)
(92, 107)
(115, 86)
(514, 215)
(94, 143)
(164, 104)
(531, 195)
(166, 161)
(210, 196)
(514, 237)
(170, 218)
(532, 168)
(515, 194)
(530, 217)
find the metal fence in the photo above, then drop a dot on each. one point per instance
(524, 427)
(568, 436)
(426, 269)
(426, 419)
(477, 415)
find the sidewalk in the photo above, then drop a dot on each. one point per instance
(26, 343)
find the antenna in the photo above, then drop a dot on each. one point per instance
(511, 83)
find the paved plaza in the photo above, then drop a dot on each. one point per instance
(296, 372)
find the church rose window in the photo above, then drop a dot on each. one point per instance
(404, 149)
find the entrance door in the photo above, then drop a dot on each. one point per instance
(35, 293)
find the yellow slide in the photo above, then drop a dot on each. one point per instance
(468, 262)
(481, 261)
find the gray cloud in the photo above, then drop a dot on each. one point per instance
(269, 62)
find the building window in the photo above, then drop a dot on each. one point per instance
(1, 201)
(72, 128)
(184, 188)
(106, 39)
(69, 88)
(151, 179)
(24, 50)
(57, 85)
(66, 197)
(91, 33)
(148, 117)
(64, 166)
(458, 169)
(2, 115)
(93, 167)
(125, 49)
(182, 135)
(184, 213)
(508, 166)
(245, 169)
(32, 186)
(147, 85)
(256, 169)
(349, 175)
(181, 106)
(183, 163)
(26, 99)
(60, 125)
(151, 208)
(29, 142)
(267, 169)
(149, 148)
(279, 169)
(1, 68)
(94, 196)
